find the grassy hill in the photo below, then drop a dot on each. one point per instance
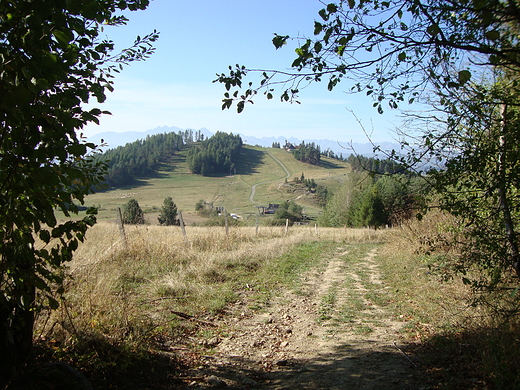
(259, 167)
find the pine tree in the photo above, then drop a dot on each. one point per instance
(168, 215)
(132, 213)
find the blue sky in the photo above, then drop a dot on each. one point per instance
(202, 38)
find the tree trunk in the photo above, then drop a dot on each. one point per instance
(503, 200)
(16, 338)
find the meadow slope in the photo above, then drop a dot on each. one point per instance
(264, 169)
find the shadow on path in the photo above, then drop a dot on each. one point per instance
(345, 367)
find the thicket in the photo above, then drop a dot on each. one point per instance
(288, 210)
(216, 155)
(375, 201)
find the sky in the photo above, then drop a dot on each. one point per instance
(199, 39)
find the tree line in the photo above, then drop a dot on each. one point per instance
(142, 158)
(215, 155)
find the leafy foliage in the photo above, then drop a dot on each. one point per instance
(52, 61)
(216, 155)
(374, 44)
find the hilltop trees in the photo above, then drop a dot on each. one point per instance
(142, 158)
(53, 61)
(460, 58)
(215, 155)
(308, 153)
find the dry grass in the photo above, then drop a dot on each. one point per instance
(128, 292)
(463, 345)
(126, 295)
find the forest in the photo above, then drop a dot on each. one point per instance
(141, 158)
(308, 153)
(216, 155)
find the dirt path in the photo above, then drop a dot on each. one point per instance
(253, 187)
(334, 332)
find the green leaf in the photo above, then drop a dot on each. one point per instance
(433, 30)
(45, 236)
(63, 37)
(324, 15)
(464, 76)
(279, 41)
(332, 8)
(318, 27)
(77, 150)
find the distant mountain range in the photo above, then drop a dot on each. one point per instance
(113, 140)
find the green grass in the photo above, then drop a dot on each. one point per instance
(232, 192)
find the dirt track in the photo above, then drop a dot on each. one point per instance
(334, 332)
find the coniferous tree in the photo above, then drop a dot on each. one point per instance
(132, 213)
(168, 215)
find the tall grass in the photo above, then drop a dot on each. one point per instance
(127, 292)
(465, 344)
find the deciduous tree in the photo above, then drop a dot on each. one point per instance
(462, 59)
(52, 62)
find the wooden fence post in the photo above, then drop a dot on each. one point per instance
(256, 228)
(119, 218)
(183, 229)
(226, 221)
(286, 226)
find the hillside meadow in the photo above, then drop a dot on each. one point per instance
(255, 167)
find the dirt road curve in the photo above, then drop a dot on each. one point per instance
(334, 332)
(253, 187)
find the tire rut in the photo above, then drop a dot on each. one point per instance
(334, 332)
